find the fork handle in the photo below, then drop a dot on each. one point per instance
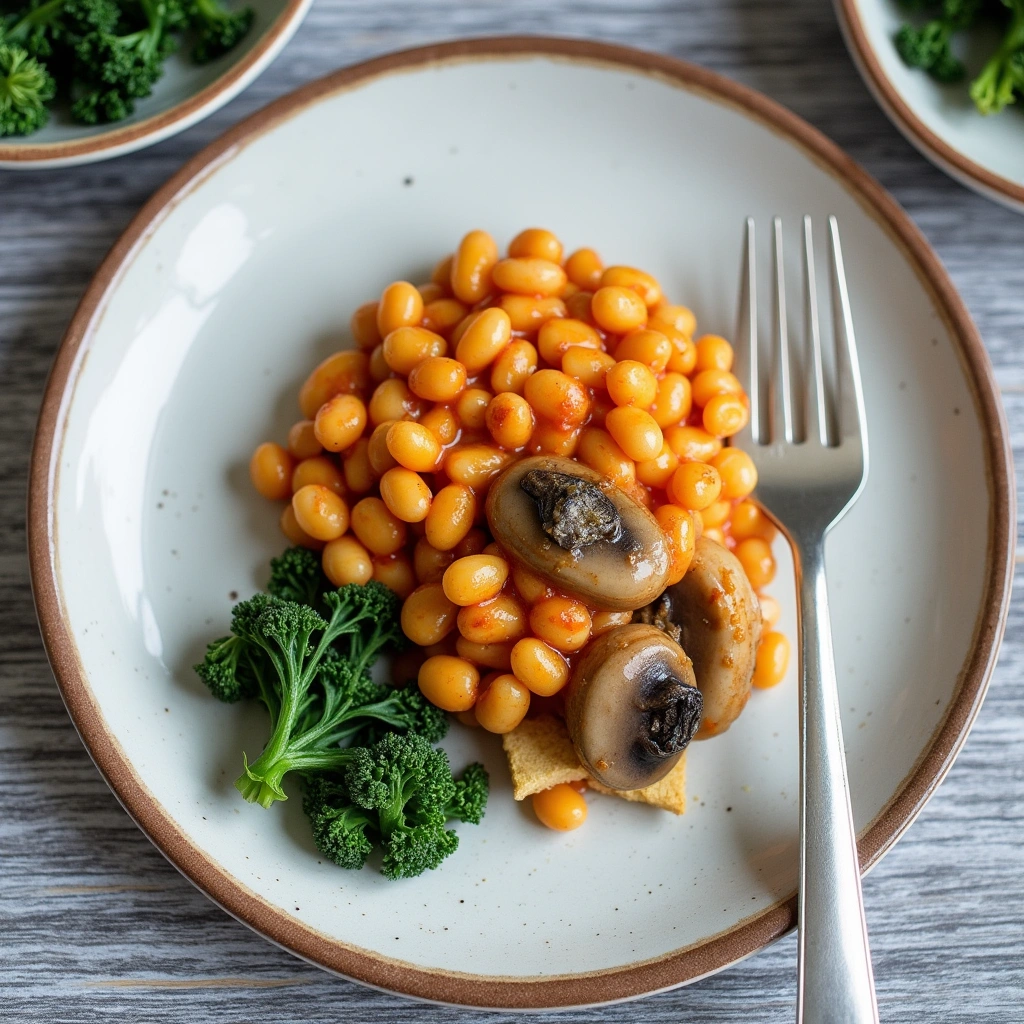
(835, 984)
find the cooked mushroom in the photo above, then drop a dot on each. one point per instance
(579, 531)
(632, 706)
(714, 614)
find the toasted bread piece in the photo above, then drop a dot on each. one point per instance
(669, 793)
(540, 755)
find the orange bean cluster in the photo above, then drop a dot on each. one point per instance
(451, 380)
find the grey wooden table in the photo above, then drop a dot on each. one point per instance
(95, 925)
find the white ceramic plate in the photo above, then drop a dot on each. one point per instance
(243, 271)
(984, 153)
(186, 93)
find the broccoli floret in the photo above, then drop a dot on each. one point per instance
(342, 831)
(228, 671)
(1003, 76)
(219, 29)
(310, 692)
(409, 784)
(930, 46)
(295, 575)
(25, 89)
(470, 798)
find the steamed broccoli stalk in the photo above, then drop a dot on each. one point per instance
(311, 693)
(25, 89)
(409, 785)
(114, 70)
(930, 46)
(343, 832)
(218, 28)
(296, 575)
(1003, 75)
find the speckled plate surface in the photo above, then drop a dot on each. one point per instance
(243, 271)
(185, 94)
(984, 153)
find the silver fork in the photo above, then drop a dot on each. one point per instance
(811, 469)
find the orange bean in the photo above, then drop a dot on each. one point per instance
(471, 408)
(599, 450)
(631, 383)
(513, 365)
(539, 667)
(359, 473)
(392, 400)
(673, 400)
(510, 420)
(449, 683)
(492, 656)
(429, 562)
(270, 470)
(401, 305)
(694, 444)
(556, 336)
(475, 464)
(772, 660)
(635, 432)
(562, 622)
(428, 617)
(443, 315)
(407, 347)
(340, 422)
(472, 265)
(345, 561)
(483, 340)
(649, 347)
(537, 243)
(442, 423)
(406, 494)
(637, 280)
(302, 442)
(342, 373)
(295, 533)
(527, 313)
(618, 309)
(557, 397)
(364, 326)
(377, 528)
(528, 276)
(695, 485)
(413, 446)
(502, 705)
(561, 808)
(320, 512)
(318, 470)
(584, 268)
(396, 573)
(678, 526)
(502, 618)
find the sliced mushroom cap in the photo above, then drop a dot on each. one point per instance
(570, 525)
(632, 706)
(714, 614)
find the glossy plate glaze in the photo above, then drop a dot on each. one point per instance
(186, 93)
(984, 153)
(243, 271)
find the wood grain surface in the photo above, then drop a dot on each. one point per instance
(96, 926)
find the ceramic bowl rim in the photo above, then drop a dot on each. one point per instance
(621, 982)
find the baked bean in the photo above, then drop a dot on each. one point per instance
(471, 408)
(442, 316)
(427, 618)
(603, 622)
(474, 579)
(528, 276)
(401, 305)
(715, 515)
(599, 450)
(693, 444)
(556, 336)
(340, 422)
(713, 353)
(359, 474)
(695, 485)
(380, 458)
(635, 432)
(475, 464)
(412, 445)
(510, 420)
(449, 683)
(771, 610)
(406, 494)
(530, 587)
(673, 400)
(637, 280)
(302, 442)
(562, 622)
(758, 563)
(658, 471)
(684, 351)
(442, 272)
(536, 243)
(392, 400)
(652, 348)
(364, 326)
(345, 560)
(295, 533)
(557, 397)
(709, 383)
(587, 366)
(379, 531)
(772, 660)
(725, 415)
(472, 544)
(320, 512)
(442, 423)
(344, 373)
(502, 705)
(429, 562)
(493, 656)
(502, 618)
(679, 318)
(551, 439)
(318, 470)
(396, 573)
(527, 313)
(511, 368)
(430, 291)
(679, 527)
(618, 309)
(631, 383)
(539, 667)
(471, 267)
(738, 472)
(748, 520)
(578, 306)
(407, 347)
(584, 269)
(270, 470)
(561, 807)
(483, 340)
(379, 369)
(451, 516)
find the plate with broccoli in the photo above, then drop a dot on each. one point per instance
(85, 80)
(950, 75)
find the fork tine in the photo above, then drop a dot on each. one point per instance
(782, 392)
(817, 412)
(852, 420)
(747, 329)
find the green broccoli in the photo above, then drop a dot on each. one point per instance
(1003, 75)
(295, 575)
(218, 28)
(228, 670)
(930, 46)
(470, 797)
(343, 832)
(310, 693)
(409, 785)
(25, 89)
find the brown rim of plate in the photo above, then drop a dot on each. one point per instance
(42, 153)
(672, 969)
(906, 120)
